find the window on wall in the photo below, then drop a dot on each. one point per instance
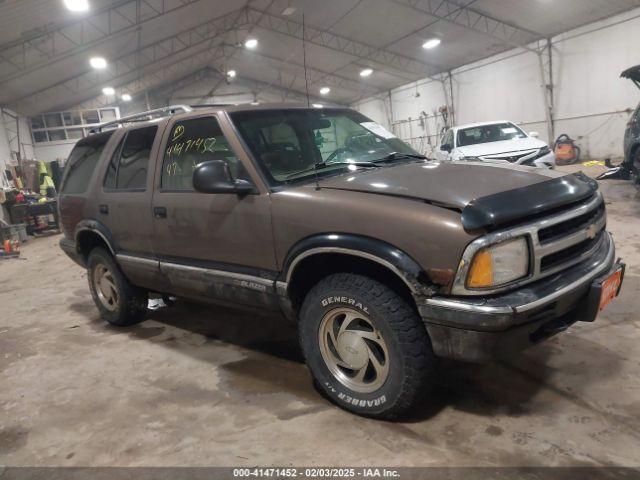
(130, 162)
(69, 125)
(190, 143)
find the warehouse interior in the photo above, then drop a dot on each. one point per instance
(210, 386)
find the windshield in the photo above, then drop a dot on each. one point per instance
(495, 132)
(294, 145)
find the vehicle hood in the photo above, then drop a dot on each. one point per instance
(452, 184)
(632, 73)
(493, 148)
(466, 186)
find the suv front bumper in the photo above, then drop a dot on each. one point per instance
(483, 329)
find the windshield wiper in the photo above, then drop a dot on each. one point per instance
(321, 165)
(397, 155)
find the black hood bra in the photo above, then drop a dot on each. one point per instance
(507, 207)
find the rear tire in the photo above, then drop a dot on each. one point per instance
(120, 303)
(365, 346)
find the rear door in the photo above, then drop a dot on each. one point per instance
(124, 203)
(210, 245)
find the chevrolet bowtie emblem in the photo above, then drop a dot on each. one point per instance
(592, 231)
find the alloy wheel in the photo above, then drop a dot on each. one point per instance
(353, 350)
(105, 287)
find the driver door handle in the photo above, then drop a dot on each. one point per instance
(160, 212)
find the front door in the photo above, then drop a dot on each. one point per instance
(217, 246)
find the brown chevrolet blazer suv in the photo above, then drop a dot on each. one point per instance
(384, 259)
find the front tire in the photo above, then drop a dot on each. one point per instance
(120, 303)
(365, 346)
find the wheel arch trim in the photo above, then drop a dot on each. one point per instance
(382, 253)
(96, 227)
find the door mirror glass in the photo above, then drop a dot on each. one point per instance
(445, 147)
(214, 176)
(534, 134)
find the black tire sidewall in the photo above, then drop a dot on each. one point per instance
(317, 304)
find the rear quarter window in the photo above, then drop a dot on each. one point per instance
(82, 163)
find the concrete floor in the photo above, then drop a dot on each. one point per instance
(207, 386)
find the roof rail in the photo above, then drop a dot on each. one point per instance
(144, 116)
(212, 105)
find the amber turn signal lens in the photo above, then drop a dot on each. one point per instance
(481, 272)
(499, 264)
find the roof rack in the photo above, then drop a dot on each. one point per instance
(212, 105)
(144, 116)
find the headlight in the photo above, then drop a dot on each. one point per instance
(499, 264)
(543, 151)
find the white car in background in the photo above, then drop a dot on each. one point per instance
(500, 141)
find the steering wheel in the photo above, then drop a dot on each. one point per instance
(337, 152)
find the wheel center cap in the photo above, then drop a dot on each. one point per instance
(352, 350)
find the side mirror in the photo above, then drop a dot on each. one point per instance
(446, 147)
(534, 134)
(213, 176)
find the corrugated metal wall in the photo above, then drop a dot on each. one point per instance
(590, 98)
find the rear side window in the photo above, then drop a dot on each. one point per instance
(82, 162)
(130, 162)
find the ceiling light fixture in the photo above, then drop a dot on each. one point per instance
(109, 91)
(431, 43)
(324, 90)
(366, 72)
(126, 97)
(251, 43)
(98, 63)
(77, 5)
(231, 73)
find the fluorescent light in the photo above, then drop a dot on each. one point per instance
(98, 63)
(317, 105)
(251, 43)
(324, 90)
(77, 5)
(231, 73)
(288, 11)
(126, 97)
(109, 91)
(431, 43)
(366, 72)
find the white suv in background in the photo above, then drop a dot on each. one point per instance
(500, 141)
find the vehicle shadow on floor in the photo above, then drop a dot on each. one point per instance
(273, 362)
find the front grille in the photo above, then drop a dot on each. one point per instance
(549, 234)
(509, 157)
(568, 254)
(559, 239)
